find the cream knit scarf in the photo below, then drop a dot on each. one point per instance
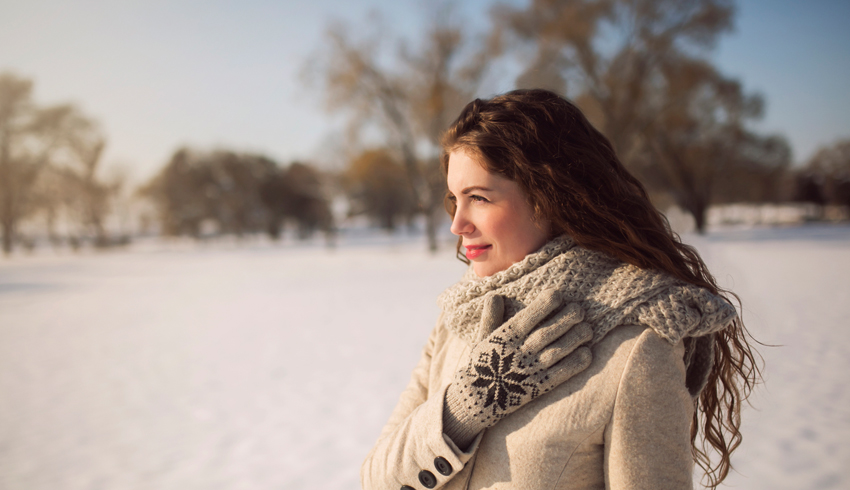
(611, 292)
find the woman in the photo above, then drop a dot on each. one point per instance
(586, 346)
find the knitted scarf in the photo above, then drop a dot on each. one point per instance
(611, 292)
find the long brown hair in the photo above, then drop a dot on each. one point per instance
(575, 182)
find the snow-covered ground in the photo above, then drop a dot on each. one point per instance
(257, 366)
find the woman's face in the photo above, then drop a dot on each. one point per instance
(493, 216)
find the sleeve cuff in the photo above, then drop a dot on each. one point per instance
(438, 459)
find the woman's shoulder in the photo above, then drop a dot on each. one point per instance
(632, 365)
(628, 354)
(637, 343)
(637, 348)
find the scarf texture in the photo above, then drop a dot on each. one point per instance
(611, 292)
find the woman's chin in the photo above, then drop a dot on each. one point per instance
(483, 269)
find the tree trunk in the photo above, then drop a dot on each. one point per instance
(7, 202)
(7, 208)
(698, 210)
(8, 236)
(431, 222)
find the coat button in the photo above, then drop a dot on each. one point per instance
(443, 466)
(407, 487)
(428, 479)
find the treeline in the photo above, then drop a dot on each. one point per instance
(52, 185)
(50, 171)
(223, 192)
(201, 194)
(641, 71)
(375, 184)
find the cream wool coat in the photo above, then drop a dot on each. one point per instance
(621, 424)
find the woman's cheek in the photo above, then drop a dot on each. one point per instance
(502, 230)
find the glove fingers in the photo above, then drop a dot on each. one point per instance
(491, 316)
(534, 313)
(568, 367)
(566, 344)
(553, 329)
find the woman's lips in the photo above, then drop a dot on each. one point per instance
(473, 251)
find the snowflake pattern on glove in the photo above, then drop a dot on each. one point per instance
(516, 361)
(500, 380)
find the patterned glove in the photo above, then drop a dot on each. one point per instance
(515, 363)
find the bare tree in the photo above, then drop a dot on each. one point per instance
(412, 99)
(31, 139)
(376, 187)
(219, 187)
(18, 168)
(698, 147)
(308, 204)
(610, 54)
(829, 169)
(237, 193)
(639, 71)
(79, 166)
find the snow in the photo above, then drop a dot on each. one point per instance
(795, 288)
(259, 366)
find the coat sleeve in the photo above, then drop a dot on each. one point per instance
(647, 443)
(412, 450)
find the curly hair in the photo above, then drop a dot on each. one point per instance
(574, 180)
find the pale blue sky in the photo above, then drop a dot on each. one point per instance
(158, 74)
(797, 54)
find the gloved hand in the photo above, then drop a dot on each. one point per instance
(515, 363)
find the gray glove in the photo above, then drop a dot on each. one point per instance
(515, 363)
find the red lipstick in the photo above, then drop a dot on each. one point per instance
(473, 251)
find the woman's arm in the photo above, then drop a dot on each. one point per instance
(412, 442)
(647, 443)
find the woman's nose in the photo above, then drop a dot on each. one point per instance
(461, 224)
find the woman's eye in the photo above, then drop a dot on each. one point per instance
(452, 199)
(474, 197)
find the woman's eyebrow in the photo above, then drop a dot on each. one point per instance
(471, 188)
